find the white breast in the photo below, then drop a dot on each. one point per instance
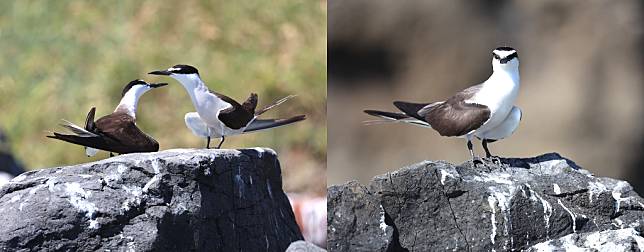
(498, 93)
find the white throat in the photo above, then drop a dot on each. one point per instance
(131, 99)
(195, 87)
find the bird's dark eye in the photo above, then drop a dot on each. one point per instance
(496, 56)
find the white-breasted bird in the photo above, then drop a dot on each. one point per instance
(217, 115)
(485, 111)
(116, 132)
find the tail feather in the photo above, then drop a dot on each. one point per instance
(93, 142)
(410, 108)
(261, 124)
(391, 117)
(387, 115)
(89, 121)
(274, 104)
(77, 129)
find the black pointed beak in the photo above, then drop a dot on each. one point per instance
(161, 72)
(156, 85)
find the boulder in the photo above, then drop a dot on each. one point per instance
(514, 204)
(174, 200)
(304, 246)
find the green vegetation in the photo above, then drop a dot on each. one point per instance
(60, 58)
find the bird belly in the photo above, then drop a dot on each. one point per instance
(505, 128)
(199, 127)
(499, 99)
(208, 107)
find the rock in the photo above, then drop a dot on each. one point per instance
(515, 205)
(175, 200)
(626, 239)
(356, 220)
(303, 246)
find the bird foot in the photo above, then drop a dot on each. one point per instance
(477, 161)
(494, 159)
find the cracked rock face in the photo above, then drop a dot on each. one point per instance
(534, 203)
(175, 200)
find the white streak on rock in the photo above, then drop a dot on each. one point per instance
(147, 185)
(572, 216)
(383, 225)
(498, 178)
(595, 188)
(492, 202)
(51, 183)
(21, 177)
(78, 198)
(556, 188)
(547, 208)
(444, 175)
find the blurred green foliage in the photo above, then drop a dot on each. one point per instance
(60, 58)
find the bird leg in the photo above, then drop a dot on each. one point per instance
(470, 147)
(208, 142)
(489, 155)
(222, 141)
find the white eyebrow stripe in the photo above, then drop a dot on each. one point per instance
(504, 54)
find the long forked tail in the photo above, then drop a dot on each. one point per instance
(392, 117)
(261, 124)
(80, 132)
(274, 104)
(410, 108)
(93, 142)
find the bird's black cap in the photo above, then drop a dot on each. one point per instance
(177, 69)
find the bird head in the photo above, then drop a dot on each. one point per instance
(140, 86)
(185, 74)
(505, 58)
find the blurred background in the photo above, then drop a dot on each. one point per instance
(60, 58)
(581, 80)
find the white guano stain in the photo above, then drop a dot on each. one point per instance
(547, 208)
(595, 188)
(383, 225)
(492, 202)
(444, 175)
(572, 216)
(78, 198)
(556, 188)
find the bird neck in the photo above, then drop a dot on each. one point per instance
(507, 73)
(130, 100)
(193, 85)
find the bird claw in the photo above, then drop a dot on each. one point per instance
(494, 159)
(476, 161)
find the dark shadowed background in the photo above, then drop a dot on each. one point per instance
(60, 58)
(581, 80)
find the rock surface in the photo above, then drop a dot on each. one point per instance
(303, 246)
(532, 203)
(175, 200)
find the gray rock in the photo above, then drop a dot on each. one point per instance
(356, 220)
(626, 239)
(303, 246)
(436, 206)
(175, 200)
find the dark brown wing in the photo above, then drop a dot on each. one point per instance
(457, 118)
(454, 117)
(235, 117)
(251, 103)
(127, 137)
